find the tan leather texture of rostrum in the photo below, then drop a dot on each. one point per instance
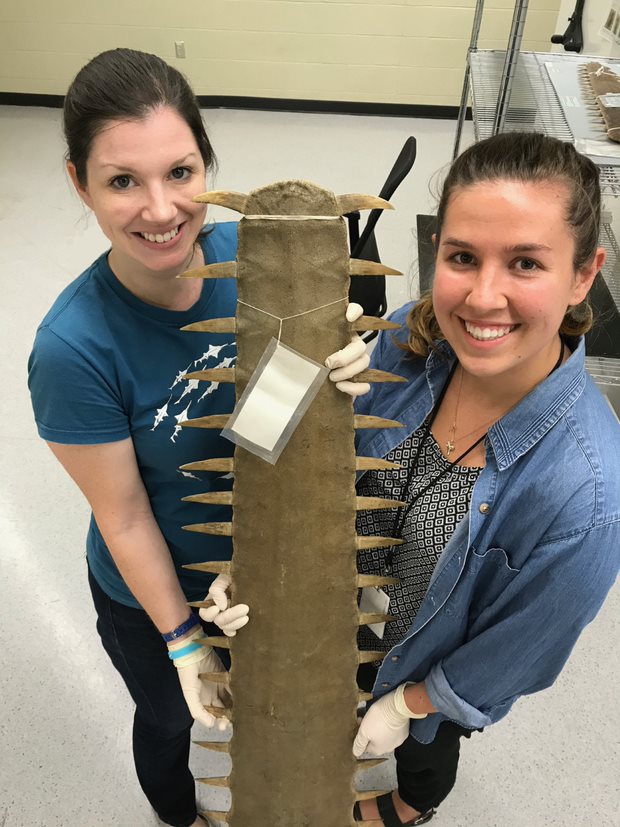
(293, 673)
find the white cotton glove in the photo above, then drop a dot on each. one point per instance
(229, 618)
(351, 360)
(386, 724)
(197, 691)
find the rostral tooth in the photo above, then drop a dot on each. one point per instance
(212, 498)
(217, 421)
(374, 375)
(215, 677)
(364, 795)
(217, 642)
(222, 781)
(369, 656)
(352, 202)
(362, 763)
(364, 696)
(362, 464)
(201, 604)
(224, 464)
(224, 198)
(217, 746)
(373, 503)
(219, 711)
(218, 815)
(363, 541)
(220, 270)
(211, 567)
(359, 421)
(362, 324)
(377, 580)
(219, 529)
(220, 375)
(366, 618)
(229, 325)
(359, 267)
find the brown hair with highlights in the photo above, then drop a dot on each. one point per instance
(125, 85)
(531, 158)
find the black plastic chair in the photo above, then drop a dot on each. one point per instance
(604, 338)
(369, 291)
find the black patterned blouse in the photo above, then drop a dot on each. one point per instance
(428, 527)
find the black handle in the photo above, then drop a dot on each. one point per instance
(572, 39)
(399, 171)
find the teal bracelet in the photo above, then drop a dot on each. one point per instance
(186, 650)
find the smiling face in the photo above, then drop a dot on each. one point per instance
(504, 277)
(141, 176)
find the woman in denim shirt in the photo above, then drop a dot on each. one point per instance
(510, 465)
(508, 460)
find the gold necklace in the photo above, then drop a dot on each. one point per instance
(450, 447)
(452, 428)
(450, 444)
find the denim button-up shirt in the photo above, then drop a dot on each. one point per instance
(530, 565)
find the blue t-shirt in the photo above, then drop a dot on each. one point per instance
(106, 366)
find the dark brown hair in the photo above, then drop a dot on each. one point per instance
(532, 158)
(124, 84)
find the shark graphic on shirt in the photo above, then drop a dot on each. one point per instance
(180, 418)
(192, 384)
(188, 392)
(213, 351)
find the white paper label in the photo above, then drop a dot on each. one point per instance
(375, 601)
(611, 100)
(278, 394)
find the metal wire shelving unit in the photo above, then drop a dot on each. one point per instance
(534, 102)
(610, 269)
(513, 90)
(534, 106)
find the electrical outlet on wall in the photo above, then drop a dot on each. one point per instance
(179, 48)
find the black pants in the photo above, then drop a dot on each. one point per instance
(426, 773)
(162, 722)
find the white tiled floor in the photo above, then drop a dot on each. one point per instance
(64, 715)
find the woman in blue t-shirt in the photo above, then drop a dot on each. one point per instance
(108, 378)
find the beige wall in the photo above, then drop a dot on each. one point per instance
(411, 51)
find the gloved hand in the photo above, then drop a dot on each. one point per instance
(386, 724)
(351, 360)
(197, 691)
(228, 618)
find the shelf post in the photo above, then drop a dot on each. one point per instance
(473, 44)
(510, 64)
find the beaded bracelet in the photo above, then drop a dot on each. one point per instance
(191, 621)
